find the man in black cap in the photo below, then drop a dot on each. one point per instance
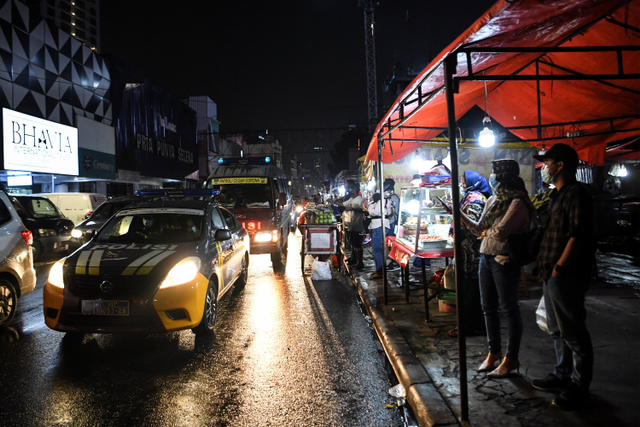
(564, 263)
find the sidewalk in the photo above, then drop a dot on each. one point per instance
(425, 359)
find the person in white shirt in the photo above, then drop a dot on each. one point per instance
(378, 217)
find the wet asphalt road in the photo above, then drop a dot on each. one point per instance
(286, 352)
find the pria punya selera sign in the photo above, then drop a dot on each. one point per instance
(37, 145)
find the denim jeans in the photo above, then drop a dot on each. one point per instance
(566, 320)
(499, 293)
(376, 235)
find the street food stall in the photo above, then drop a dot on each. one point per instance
(319, 230)
(424, 225)
(565, 71)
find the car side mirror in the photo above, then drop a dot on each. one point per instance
(222, 235)
(90, 234)
(282, 199)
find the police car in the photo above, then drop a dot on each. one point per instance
(155, 266)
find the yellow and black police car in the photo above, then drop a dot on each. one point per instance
(155, 266)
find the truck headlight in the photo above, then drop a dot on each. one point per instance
(76, 233)
(266, 236)
(56, 274)
(183, 272)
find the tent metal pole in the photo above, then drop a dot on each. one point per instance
(450, 65)
(383, 237)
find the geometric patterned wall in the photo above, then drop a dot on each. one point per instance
(47, 73)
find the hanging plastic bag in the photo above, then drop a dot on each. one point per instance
(541, 316)
(321, 270)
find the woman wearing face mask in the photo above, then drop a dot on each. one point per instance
(506, 212)
(476, 190)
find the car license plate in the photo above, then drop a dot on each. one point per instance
(105, 308)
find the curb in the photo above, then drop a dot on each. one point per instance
(427, 404)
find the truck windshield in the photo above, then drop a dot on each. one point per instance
(245, 196)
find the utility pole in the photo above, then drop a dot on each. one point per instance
(370, 50)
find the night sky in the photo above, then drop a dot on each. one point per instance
(279, 64)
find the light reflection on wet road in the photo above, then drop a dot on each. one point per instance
(287, 352)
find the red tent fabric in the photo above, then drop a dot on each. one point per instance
(608, 110)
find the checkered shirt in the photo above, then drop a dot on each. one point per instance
(571, 216)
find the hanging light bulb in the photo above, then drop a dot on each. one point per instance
(486, 137)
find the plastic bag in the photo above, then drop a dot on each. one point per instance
(321, 270)
(541, 316)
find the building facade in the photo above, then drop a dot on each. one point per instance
(73, 120)
(79, 18)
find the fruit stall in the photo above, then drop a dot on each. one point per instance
(318, 227)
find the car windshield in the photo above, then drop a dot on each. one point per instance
(106, 210)
(40, 208)
(243, 196)
(153, 226)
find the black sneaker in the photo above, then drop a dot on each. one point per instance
(551, 383)
(393, 267)
(572, 397)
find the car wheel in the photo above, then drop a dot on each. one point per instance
(37, 251)
(8, 301)
(210, 312)
(279, 259)
(244, 271)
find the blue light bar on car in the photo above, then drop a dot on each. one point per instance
(194, 192)
(244, 160)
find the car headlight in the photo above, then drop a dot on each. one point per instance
(76, 233)
(298, 209)
(46, 232)
(56, 274)
(183, 272)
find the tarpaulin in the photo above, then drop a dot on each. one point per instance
(592, 112)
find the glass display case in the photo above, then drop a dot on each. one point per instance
(423, 223)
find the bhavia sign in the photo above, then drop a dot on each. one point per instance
(37, 145)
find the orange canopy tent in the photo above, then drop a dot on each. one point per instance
(562, 71)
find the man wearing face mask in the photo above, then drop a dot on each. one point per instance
(566, 253)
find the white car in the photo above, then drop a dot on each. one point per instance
(17, 275)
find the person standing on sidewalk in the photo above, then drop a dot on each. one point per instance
(380, 212)
(476, 192)
(566, 255)
(506, 212)
(354, 222)
(390, 194)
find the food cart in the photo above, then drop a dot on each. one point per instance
(319, 234)
(423, 232)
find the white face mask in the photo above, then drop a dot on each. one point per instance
(546, 175)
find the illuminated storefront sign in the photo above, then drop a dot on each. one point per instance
(37, 145)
